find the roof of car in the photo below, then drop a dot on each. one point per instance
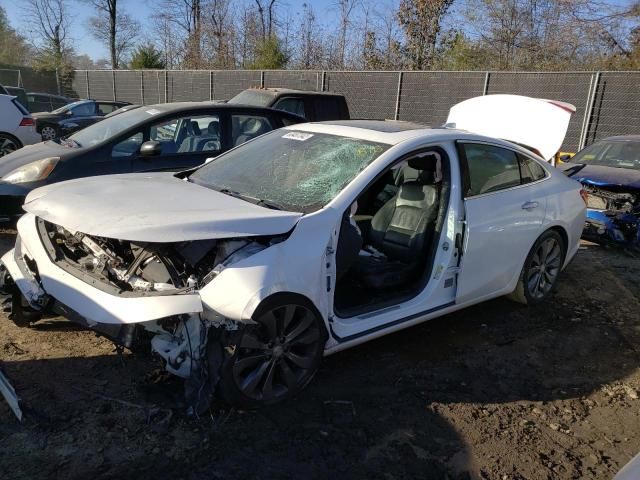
(279, 91)
(622, 138)
(393, 132)
(177, 106)
(384, 131)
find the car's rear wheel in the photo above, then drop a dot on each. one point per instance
(276, 358)
(8, 144)
(48, 133)
(541, 269)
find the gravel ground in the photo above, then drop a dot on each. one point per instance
(497, 391)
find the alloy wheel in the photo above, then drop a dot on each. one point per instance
(48, 133)
(544, 268)
(279, 355)
(7, 145)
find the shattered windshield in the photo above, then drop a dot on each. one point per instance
(619, 154)
(292, 170)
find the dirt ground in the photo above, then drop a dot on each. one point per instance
(497, 391)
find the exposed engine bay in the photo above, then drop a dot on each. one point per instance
(191, 344)
(137, 269)
(613, 216)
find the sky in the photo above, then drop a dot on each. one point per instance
(142, 10)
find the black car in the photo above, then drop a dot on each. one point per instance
(314, 106)
(73, 117)
(46, 102)
(172, 136)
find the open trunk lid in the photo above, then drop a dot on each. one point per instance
(534, 123)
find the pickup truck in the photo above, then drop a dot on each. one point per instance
(314, 106)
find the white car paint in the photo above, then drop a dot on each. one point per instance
(152, 208)
(10, 118)
(533, 122)
(498, 234)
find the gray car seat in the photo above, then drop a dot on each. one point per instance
(190, 142)
(403, 227)
(211, 140)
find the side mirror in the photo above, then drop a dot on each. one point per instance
(150, 149)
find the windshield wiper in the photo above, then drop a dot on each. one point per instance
(256, 201)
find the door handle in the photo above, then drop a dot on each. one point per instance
(529, 205)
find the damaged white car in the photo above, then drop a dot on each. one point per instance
(298, 244)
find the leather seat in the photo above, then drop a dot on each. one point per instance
(190, 142)
(403, 227)
(211, 140)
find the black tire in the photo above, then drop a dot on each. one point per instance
(276, 358)
(8, 144)
(541, 269)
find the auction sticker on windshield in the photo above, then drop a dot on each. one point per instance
(300, 136)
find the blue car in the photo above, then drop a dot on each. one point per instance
(609, 170)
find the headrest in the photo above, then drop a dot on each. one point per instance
(213, 128)
(195, 128)
(427, 162)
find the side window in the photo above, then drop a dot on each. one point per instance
(530, 170)
(246, 127)
(490, 168)
(83, 110)
(327, 108)
(106, 108)
(188, 134)
(292, 105)
(127, 147)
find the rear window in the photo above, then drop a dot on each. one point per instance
(20, 107)
(257, 98)
(327, 108)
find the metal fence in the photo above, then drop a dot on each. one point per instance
(607, 102)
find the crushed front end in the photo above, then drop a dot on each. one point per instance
(130, 292)
(613, 216)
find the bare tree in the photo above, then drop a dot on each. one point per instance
(345, 8)
(115, 28)
(266, 12)
(49, 30)
(421, 22)
(186, 16)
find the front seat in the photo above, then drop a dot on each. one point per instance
(403, 228)
(211, 140)
(190, 142)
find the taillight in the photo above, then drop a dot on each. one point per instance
(585, 196)
(27, 122)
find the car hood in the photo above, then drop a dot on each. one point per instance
(531, 122)
(29, 154)
(602, 176)
(153, 208)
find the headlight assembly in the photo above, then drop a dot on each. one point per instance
(32, 172)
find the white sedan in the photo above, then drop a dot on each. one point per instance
(300, 243)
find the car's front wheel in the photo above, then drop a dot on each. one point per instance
(541, 269)
(8, 144)
(48, 133)
(277, 357)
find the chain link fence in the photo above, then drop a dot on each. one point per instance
(607, 103)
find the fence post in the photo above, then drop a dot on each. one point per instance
(485, 88)
(113, 81)
(86, 76)
(398, 92)
(20, 79)
(261, 78)
(142, 87)
(210, 84)
(588, 111)
(324, 77)
(57, 81)
(166, 86)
